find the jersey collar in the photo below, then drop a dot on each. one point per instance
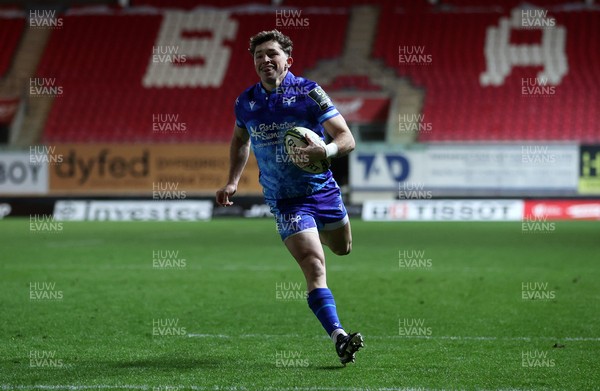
(287, 80)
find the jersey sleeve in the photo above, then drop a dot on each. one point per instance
(320, 104)
(238, 113)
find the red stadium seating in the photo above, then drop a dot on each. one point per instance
(105, 59)
(351, 82)
(10, 33)
(191, 4)
(505, 4)
(459, 108)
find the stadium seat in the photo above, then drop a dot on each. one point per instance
(11, 30)
(108, 58)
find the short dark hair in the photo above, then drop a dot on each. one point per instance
(273, 35)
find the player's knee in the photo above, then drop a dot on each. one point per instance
(344, 249)
(317, 269)
(315, 272)
(313, 267)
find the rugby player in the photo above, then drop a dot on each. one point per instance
(308, 207)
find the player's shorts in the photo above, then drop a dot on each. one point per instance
(321, 211)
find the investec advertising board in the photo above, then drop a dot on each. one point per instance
(517, 169)
(163, 210)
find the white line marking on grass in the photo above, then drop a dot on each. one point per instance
(443, 337)
(74, 243)
(74, 387)
(458, 337)
(117, 387)
(220, 388)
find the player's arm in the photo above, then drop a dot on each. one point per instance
(342, 142)
(342, 138)
(239, 150)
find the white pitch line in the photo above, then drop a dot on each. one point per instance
(443, 337)
(116, 387)
(458, 337)
(220, 388)
(76, 387)
(208, 336)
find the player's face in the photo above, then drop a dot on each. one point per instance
(271, 63)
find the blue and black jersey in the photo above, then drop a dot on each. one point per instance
(267, 116)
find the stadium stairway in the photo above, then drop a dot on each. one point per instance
(360, 33)
(356, 60)
(25, 62)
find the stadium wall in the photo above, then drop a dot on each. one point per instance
(424, 183)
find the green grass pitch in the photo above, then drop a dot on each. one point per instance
(217, 306)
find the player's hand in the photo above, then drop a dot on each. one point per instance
(313, 152)
(224, 193)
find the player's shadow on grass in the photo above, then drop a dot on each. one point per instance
(169, 363)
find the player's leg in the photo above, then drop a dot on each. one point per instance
(298, 230)
(308, 253)
(306, 248)
(339, 239)
(332, 220)
(335, 232)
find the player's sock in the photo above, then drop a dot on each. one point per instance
(320, 301)
(337, 332)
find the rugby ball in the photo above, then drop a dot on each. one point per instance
(296, 138)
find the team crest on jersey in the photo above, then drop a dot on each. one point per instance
(321, 98)
(289, 101)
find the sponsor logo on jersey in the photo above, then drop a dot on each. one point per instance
(270, 131)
